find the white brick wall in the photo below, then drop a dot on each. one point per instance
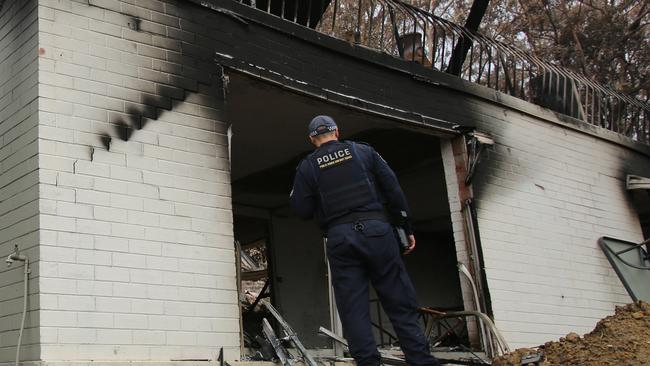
(135, 243)
(545, 194)
(18, 174)
(136, 246)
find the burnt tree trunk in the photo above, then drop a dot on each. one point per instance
(476, 13)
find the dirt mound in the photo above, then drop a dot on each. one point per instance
(622, 339)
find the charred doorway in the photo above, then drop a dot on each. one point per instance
(269, 138)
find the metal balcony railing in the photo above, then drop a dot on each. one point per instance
(405, 31)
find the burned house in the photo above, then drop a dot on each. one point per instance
(148, 146)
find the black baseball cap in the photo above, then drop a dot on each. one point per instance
(321, 124)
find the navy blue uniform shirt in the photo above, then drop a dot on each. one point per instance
(305, 194)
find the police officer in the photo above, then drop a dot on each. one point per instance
(353, 194)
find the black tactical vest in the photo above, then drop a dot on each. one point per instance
(342, 180)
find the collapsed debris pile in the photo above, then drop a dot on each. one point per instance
(620, 339)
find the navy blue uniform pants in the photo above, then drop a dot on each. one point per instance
(371, 255)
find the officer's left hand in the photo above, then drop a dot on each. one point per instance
(411, 244)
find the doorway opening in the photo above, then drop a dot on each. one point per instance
(269, 138)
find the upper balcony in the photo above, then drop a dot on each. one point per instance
(404, 31)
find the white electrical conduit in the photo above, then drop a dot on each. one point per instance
(22, 323)
(487, 340)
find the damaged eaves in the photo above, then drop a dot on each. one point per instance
(349, 101)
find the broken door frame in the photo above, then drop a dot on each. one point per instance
(453, 152)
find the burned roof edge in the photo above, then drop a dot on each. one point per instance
(412, 69)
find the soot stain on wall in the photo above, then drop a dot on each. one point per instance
(153, 106)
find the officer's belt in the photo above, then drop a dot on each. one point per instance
(353, 217)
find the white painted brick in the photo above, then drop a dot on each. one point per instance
(92, 168)
(107, 4)
(74, 240)
(143, 218)
(113, 305)
(47, 207)
(196, 294)
(158, 206)
(169, 167)
(57, 254)
(69, 69)
(198, 324)
(74, 180)
(224, 310)
(56, 163)
(110, 185)
(133, 290)
(149, 337)
(84, 111)
(123, 93)
(49, 335)
(175, 222)
(79, 303)
(145, 247)
(110, 214)
(70, 19)
(210, 339)
(57, 223)
(128, 230)
(90, 87)
(106, 102)
(128, 67)
(57, 286)
(93, 197)
(78, 271)
(191, 237)
(211, 227)
(129, 260)
(146, 276)
(53, 79)
(122, 45)
(105, 28)
(173, 311)
(162, 292)
(131, 321)
(188, 251)
(72, 96)
(94, 257)
(107, 77)
(160, 234)
(139, 84)
(138, 37)
(142, 190)
(47, 269)
(127, 202)
(106, 157)
(114, 336)
(182, 338)
(76, 335)
(74, 210)
(207, 213)
(148, 51)
(147, 306)
(95, 320)
(111, 244)
(94, 288)
(58, 318)
(113, 274)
